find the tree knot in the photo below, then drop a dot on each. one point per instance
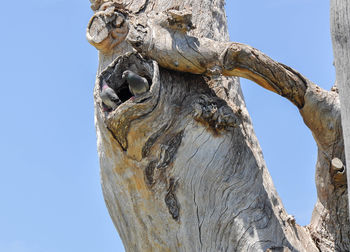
(179, 20)
(217, 115)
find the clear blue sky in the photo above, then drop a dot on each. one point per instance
(51, 199)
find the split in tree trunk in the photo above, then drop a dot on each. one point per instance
(181, 167)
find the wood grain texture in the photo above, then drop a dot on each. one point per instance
(181, 167)
(340, 31)
(176, 49)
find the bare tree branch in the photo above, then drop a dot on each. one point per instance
(167, 38)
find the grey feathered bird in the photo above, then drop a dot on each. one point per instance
(109, 97)
(137, 84)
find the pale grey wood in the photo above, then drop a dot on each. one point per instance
(340, 30)
(181, 167)
(319, 108)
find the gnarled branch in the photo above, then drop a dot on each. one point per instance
(164, 37)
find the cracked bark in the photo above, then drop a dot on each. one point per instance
(181, 167)
(340, 30)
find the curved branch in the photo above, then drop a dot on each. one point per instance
(164, 38)
(175, 49)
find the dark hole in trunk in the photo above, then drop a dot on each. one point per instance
(124, 93)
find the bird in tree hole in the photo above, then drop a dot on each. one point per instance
(137, 85)
(109, 97)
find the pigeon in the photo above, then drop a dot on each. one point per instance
(137, 84)
(109, 97)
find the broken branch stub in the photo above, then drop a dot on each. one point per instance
(339, 172)
(106, 29)
(144, 127)
(163, 37)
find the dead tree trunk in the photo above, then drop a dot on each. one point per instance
(340, 29)
(180, 164)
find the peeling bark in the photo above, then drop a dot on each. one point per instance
(181, 167)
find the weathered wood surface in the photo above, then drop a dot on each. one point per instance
(340, 30)
(181, 167)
